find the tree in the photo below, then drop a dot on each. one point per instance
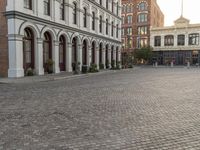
(143, 54)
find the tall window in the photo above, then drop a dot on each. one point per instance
(85, 17)
(100, 24)
(117, 8)
(62, 10)
(129, 19)
(112, 6)
(194, 39)
(142, 30)
(75, 13)
(157, 41)
(106, 4)
(100, 2)
(142, 6)
(181, 40)
(142, 17)
(93, 20)
(106, 26)
(169, 40)
(117, 30)
(129, 31)
(123, 20)
(28, 4)
(112, 30)
(47, 7)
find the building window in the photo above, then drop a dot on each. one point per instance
(129, 31)
(142, 18)
(62, 10)
(106, 4)
(129, 42)
(194, 39)
(117, 8)
(129, 19)
(85, 17)
(124, 8)
(181, 40)
(47, 7)
(142, 42)
(122, 31)
(100, 2)
(142, 6)
(112, 6)
(142, 30)
(106, 26)
(169, 40)
(28, 4)
(75, 13)
(100, 24)
(112, 30)
(117, 30)
(157, 41)
(93, 20)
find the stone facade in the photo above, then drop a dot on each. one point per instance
(177, 44)
(40, 30)
(137, 18)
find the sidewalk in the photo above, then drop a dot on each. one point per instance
(49, 77)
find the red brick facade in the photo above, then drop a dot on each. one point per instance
(3, 40)
(151, 15)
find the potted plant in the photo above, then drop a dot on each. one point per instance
(84, 69)
(29, 72)
(76, 67)
(101, 66)
(93, 68)
(50, 63)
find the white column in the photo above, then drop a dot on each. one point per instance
(69, 58)
(80, 55)
(114, 56)
(104, 57)
(39, 58)
(97, 57)
(109, 57)
(89, 56)
(56, 57)
(119, 57)
(15, 56)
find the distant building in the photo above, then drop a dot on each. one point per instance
(178, 43)
(137, 18)
(32, 32)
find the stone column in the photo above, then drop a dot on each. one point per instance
(89, 56)
(109, 57)
(114, 56)
(104, 57)
(39, 68)
(97, 56)
(69, 57)
(80, 55)
(15, 56)
(56, 57)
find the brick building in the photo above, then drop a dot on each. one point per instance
(67, 32)
(137, 18)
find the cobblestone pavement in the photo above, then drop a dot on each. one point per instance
(142, 109)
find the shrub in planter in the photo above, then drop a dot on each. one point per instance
(76, 67)
(93, 68)
(84, 69)
(50, 63)
(29, 72)
(101, 66)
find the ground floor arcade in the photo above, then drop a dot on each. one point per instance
(177, 57)
(35, 48)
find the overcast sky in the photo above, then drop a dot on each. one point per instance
(172, 10)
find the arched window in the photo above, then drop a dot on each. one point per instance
(112, 30)
(93, 52)
(62, 9)
(100, 53)
(142, 6)
(93, 20)
(106, 26)
(100, 24)
(62, 53)
(47, 7)
(28, 49)
(74, 50)
(84, 52)
(85, 17)
(47, 50)
(74, 13)
(107, 57)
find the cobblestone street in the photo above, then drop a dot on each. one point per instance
(139, 109)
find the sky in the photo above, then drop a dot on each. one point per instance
(172, 10)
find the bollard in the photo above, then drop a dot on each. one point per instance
(156, 65)
(172, 64)
(188, 64)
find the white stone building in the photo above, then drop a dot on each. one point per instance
(178, 43)
(65, 31)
